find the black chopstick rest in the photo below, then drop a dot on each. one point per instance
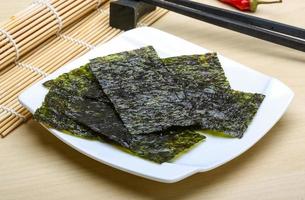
(125, 14)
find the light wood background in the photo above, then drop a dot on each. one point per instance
(36, 165)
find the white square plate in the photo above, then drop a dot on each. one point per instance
(215, 151)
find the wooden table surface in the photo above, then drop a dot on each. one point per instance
(36, 165)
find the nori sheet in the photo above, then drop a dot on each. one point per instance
(61, 122)
(93, 113)
(76, 82)
(143, 91)
(194, 85)
(221, 108)
(229, 112)
(197, 71)
(66, 98)
(198, 81)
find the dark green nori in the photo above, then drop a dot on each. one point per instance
(230, 111)
(143, 92)
(195, 82)
(76, 82)
(161, 147)
(93, 113)
(60, 122)
(98, 115)
(197, 71)
(221, 108)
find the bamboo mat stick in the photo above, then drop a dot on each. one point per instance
(30, 13)
(10, 117)
(75, 26)
(84, 29)
(11, 123)
(46, 57)
(7, 120)
(17, 122)
(71, 56)
(33, 77)
(22, 112)
(12, 57)
(13, 91)
(13, 104)
(5, 70)
(41, 34)
(27, 27)
(11, 24)
(17, 16)
(19, 112)
(52, 53)
(35, 17)
(17, 29)
(53, 24)
(13, 126)
(93, 21)
(16, 70)
(69, 14)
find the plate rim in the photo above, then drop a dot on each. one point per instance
(195, 168)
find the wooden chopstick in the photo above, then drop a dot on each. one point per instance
(248, 19)
(234, 24)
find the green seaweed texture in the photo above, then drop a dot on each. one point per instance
(152, 107)
(68, 96)
(219, 107)
(143, 91)
(193, 71)
(61, 122)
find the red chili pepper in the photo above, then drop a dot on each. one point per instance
(248, 5)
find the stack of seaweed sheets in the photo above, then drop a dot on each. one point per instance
(154, 108)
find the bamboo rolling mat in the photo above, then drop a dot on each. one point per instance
(52, 34)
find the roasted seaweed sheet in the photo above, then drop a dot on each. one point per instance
(68, 96)
(197, 71)
(148, 105)
(229, 112)
(79, 82)
(220, 108)
(143, 91)
(153, 96)
(61, 122)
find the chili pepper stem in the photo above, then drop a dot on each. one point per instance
(255, 3)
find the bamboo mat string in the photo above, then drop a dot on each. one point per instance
(12, 41)
(77, 41)
(53, 10)
(32, 68)
(60, 26)
(103, 11)
(13, 112)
